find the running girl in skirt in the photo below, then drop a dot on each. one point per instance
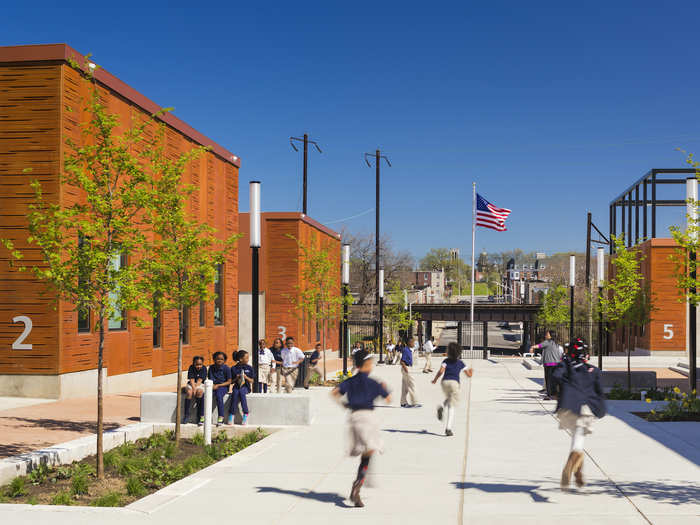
(580, 402)
(451, 367)
(361, 391)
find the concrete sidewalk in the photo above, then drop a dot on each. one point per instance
(502, 466)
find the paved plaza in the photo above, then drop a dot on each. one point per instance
(502, 466)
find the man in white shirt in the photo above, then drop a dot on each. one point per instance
(292, 357)
(428, 349)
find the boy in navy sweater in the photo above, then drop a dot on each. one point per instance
(361, 391)
(408, 385)
(452, 367)
(242, 377)
(220, 374)
(196, 375)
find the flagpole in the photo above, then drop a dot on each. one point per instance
(471, 327)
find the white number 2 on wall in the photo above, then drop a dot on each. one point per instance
(19, 343)
(283, 332)
(668, 331)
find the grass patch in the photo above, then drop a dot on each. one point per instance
(132, 471)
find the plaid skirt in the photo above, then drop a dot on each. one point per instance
(364, 432)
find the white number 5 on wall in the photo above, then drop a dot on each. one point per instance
(19, 343)
(668, 331)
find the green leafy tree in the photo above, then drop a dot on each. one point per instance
(627, 301)
(396, 314)
(456, 270)
(178, 263)
(555, 307)
(318, 296)
(80, 243)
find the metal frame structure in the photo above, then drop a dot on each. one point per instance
(630, 199)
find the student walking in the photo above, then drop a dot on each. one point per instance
(242, 376)
(292, 357)
(580, 402)
(390, 347)
(276, 375)
(196, 375)
(265, 362)
(428, 349)
(313, 365)
(356, 348)
(408, 385)
(450, 370)
(220, 374)
(361, 391)
(550, 359)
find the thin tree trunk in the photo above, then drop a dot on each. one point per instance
(100, 416)
(324, 351)
(629, 359)
(178, 403)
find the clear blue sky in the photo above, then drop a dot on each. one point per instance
(551, 108)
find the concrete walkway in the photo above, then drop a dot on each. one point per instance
(502, 466)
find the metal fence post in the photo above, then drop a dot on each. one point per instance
(208, 392)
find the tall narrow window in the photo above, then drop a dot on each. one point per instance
(118, 319)
(185, 333)
(219, 299)
(157, 323)
(83, 311)
(202, 313)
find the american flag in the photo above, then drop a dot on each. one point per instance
(490, 216)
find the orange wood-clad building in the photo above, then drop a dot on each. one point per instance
(281, 275)
(41, 97)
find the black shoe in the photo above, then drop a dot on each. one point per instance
(183, 421)
(448, 432)
(405, 405)
(306, 388)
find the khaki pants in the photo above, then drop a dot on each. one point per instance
(265, 375)
(289, 375)
(428, 362)
(310, 370)
(450, 388)
(408, 388)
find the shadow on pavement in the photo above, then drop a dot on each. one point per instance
(423, 432)
(323, 497)
(502, 488)
(13, 449)
(57, 424)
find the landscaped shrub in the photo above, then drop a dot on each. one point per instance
(62, 498)
(17, 488)
(134, 487)
(679, 407)
(111, 499)
(79, 484)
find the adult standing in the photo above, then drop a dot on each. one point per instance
(408, 385)
(550, 359)
(292, 357)
(265, 361)
(428, 349)
(276, 350)
(313, 365)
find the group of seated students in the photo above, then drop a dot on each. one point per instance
(236, 380)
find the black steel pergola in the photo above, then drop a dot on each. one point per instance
(630, 199)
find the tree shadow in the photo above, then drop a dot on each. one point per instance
(58, 424)
(504, 488)
(423, 432)
(13, 449)
(323, 497)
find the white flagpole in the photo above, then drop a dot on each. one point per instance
(471, 327)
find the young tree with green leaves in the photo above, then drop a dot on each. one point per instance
(318, 294)
(627, 301)
(555, 308)
(83, 244)
(396, 314)
(180, 261)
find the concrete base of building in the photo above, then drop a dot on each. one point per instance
(81, 384)
(641, 380)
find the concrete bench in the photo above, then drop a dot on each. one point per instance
(641, 380)
(265, 409)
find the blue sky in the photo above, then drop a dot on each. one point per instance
(552, 109)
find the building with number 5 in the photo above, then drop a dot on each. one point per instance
(47, 349)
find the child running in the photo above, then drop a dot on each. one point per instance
(220, 374)
(361, 391)
(451, 368)
(581, 400)
(196, 375)
(242, 376)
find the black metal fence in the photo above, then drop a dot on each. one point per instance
(583, 329)
(363, 332)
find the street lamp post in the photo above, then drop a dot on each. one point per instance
(601, 276)
(692, 214)
(572, 284)
(344, 325)
(255, 293)
(381, 315)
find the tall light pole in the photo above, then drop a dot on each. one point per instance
(572, 284)
(381, 315)
(377, 161)
(691, 189)
(255, 294)
(306, 142)
(601, 277)
(346, 283)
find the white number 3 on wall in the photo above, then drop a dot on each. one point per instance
(668, 332)
(19, 343)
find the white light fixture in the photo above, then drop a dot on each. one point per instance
(600, 259)
(255, 214)
(345, 252)
(381, 282)
(572, 270)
